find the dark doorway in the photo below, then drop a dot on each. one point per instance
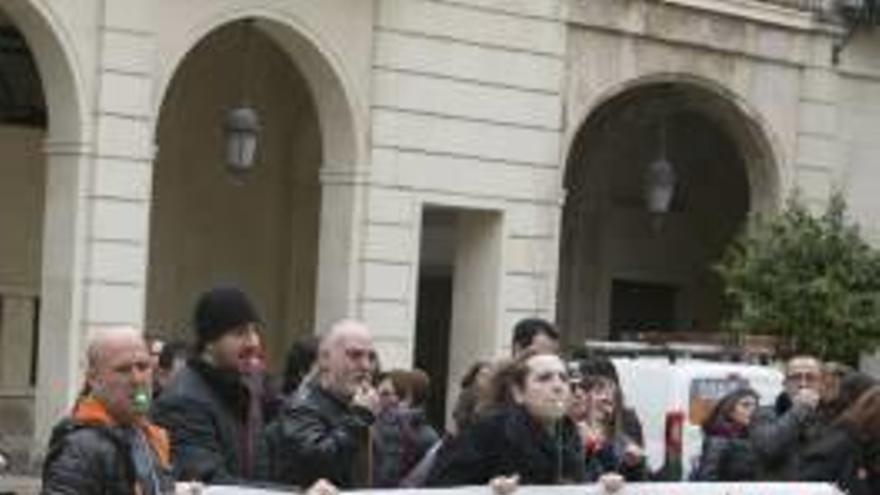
(641, 307)
(434, 305)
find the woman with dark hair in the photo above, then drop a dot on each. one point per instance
(728, 454)
(298, 364)
(522, 432)
(608, 449)
(847, 454)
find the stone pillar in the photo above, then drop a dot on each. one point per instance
(62, 282)
(97, 213)
(819, 160)
(339, 256)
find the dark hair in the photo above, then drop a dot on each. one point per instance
(413, 384)
(527, 329)
(864, 416)
(299, 361)
(721, 412)
(470, 376)
(593, 381)
(599, 366)
(171, 352)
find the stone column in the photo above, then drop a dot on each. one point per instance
(62, 282)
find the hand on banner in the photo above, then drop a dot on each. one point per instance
(611, 482)
(322, 487)
(188, 488)
(504, 485)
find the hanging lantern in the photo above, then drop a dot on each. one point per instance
(242, 129)
(241, 124)
(660, 180)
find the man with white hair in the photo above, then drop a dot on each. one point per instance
(323, 431)
(107, 444)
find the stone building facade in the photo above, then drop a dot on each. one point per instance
(438, 168)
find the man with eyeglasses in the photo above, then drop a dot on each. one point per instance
(780, 432)
(323, 430)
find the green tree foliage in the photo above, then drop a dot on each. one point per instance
(811, 280)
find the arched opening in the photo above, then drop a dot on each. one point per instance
(23, 118)
(625, 269)
(258, 230)
(40, 141)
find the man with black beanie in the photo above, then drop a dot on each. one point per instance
(207, 406)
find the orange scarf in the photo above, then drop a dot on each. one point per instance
(90, 410)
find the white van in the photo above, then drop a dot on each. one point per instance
(672, 397)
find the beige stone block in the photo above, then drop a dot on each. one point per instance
(115, 304)
(523, 292)
(425, 94)
(391, 206)
(394, 352)
(529, 255)
(470, 139)
(426, 171)
(125, 137)
(815, 185)
(391, 243)
(126, 94)
(137, 15)
(123, 179)
(412, 52)
(534, 220)
(541, 8)
(386, 281)
(819, 84)
(128, 52)
(387, 319)
(120, 220)
(818, 151)
(460, 22)
(118, 262)
(818, 118)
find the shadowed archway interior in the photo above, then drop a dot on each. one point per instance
(625, 270)
(258, 231)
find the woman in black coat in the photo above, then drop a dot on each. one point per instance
(524, 434)
(847, 453)
(727, 453)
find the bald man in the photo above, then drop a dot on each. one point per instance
(322, 432)
(107, 445)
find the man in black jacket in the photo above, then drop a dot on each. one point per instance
(779, 433)
(207, 406)
(107, 446)
(323, 431)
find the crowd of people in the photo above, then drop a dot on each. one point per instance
(155, 419)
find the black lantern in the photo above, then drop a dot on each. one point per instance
(660, 180)
(241, 124)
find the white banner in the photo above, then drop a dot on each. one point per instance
(628, 489)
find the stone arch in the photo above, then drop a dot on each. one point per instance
(752, 132)
(609, 244)
(66, 156)
(56, 62)
(341, 114)
(316, 105)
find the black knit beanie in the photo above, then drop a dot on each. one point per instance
(219, 310)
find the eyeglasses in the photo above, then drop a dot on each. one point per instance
(803, 377)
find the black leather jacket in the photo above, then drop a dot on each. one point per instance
(86, 459)
(317, 435)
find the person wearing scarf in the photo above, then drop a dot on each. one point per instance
(107, 445)
(728, 453)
